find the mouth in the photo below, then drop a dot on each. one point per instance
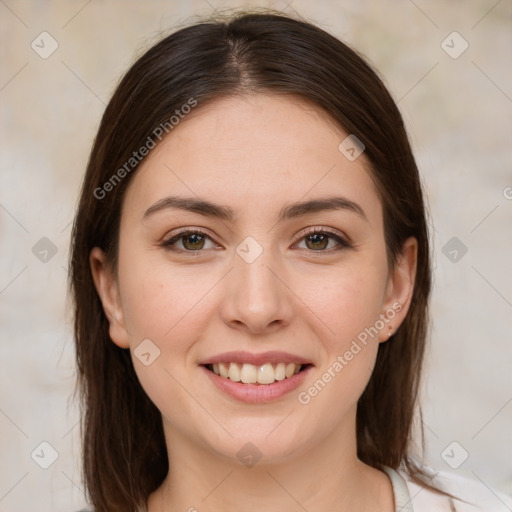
(264, 375)
(256, 378)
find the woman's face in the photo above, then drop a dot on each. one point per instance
(257, 290)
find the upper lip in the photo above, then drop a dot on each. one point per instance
(241, 357)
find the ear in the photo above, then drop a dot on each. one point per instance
(399, 289)
(108, 290)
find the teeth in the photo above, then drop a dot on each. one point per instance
(223, 370)
(266, 374)
(234, 372)
(251, 374)
(280, 371)
(290, 370)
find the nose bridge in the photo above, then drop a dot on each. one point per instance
(257, 297)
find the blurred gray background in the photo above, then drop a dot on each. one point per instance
(447, 63)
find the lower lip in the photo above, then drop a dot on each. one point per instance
(257, 393)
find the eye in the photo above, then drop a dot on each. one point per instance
(191, 240)
(318, 240)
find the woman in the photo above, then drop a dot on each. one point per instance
(251, 274)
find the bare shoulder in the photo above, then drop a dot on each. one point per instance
(473, 495)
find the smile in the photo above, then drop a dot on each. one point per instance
(256, 378)
(248, 373)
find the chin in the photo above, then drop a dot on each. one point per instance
(261, 442)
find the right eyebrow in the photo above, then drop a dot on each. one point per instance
(191, 204)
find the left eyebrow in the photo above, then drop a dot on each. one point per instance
(293, 210)
(317, 205)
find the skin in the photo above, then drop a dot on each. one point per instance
(256, 154)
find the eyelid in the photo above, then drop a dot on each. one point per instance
(344, 240)
(188, 229)
(303, 232)
(175, 235)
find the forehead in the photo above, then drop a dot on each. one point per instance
(253, 152)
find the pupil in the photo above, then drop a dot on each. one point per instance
(315, 238)
(196, 239)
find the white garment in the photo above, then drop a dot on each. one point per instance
(473, 496)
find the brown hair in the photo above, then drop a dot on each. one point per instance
(124, 452)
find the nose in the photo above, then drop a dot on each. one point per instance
(257, 297)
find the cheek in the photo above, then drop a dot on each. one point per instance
(167, 306)
(351, 309)
(348, 300)
(159, 303)
(349, 303)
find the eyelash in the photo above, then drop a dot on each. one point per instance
(342, 243)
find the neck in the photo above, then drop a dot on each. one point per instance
(328, 476)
